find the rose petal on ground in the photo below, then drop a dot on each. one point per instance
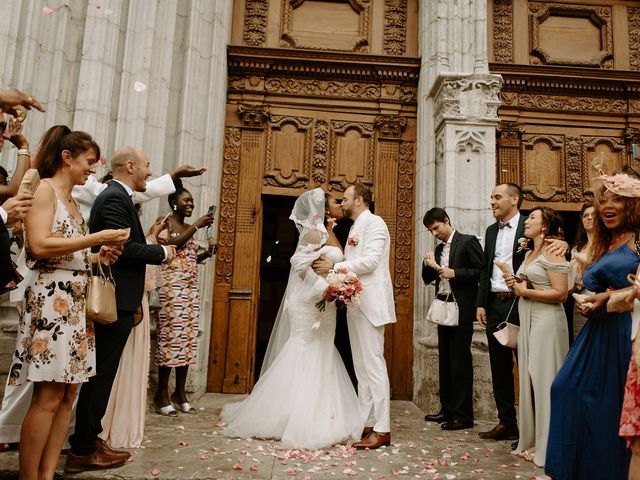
(237, 466)
(155, 471)
(182, 443)
(204, 456)
(254, 467)
(48, 10)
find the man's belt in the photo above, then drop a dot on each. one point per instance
(503, 295)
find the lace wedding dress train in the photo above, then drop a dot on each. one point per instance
(305, 397)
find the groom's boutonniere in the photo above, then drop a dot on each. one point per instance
(523, 243)
(353, 241)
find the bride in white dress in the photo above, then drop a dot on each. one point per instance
(304, 396)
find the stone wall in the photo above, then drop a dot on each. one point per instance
(149, 74)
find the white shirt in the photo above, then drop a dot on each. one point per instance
(4, 215)
(444, 287)
(504, 253)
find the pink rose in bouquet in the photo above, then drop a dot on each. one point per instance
(344, 289)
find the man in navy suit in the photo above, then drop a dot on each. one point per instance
(455, 267)
(114, 208)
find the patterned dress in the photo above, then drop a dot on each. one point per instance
(177, 326)
(55, 342)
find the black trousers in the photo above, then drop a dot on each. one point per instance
(456, 371)
(94, 394)
(502, 358)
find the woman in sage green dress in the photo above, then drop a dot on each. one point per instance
(543, 339)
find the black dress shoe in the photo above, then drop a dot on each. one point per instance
(501, 432)
(437, 417)
(456, 424)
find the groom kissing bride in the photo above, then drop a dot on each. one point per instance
(304, 396)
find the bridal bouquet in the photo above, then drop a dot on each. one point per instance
(344, 289)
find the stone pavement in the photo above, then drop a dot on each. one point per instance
(192, 447)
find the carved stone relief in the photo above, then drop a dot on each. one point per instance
(390, 127)
(288, 152)
(503, 31)
(255, 22)
(563, 103)
(325, 88)
(395, 26)
(229, 201)
(634, 37)
(253, 116)
(404, 220)
(574, 170)
(468, 98)
(594, 38)
(320, 148)
(351, 154)
(543, 168)
(602, 154)
(293, 36)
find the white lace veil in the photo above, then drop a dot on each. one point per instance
(308, 215)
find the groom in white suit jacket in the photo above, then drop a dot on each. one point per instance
(367, 255)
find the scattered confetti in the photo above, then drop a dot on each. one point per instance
(268, 258)
(139, 87)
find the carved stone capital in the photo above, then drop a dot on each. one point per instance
(390, 126)
(467, 98)
(253, 116)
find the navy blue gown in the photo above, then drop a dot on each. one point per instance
(587, 393)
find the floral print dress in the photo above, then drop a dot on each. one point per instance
(55, 342)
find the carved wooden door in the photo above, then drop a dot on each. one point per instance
(321, 93)
(274, 151)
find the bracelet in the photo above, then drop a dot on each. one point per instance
(195, 226)
(24, 151)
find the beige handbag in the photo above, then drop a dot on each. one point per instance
(101, 296)
(443, 312)
(507, 333)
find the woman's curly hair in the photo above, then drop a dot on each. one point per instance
(602, 236)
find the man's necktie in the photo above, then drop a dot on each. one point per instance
(502, 225)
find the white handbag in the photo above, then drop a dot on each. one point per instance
(443, 312)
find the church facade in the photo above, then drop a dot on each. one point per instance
(430, 102)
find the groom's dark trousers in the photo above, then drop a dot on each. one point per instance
(113, 209)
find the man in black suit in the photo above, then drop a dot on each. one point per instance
(495, 300)
(455, 267)
(114, 208)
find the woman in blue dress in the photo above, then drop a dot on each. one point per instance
(586, 396)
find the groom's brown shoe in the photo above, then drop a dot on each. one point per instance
(104, 447)
(96, 461)
(366, 432)
(373, 441)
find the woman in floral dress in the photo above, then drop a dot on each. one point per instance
(55, 345)
(178, 317)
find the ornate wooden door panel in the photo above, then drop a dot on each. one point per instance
(287, 154)
(321, 93)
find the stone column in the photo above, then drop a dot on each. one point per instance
(457, 117)
(147, 74)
